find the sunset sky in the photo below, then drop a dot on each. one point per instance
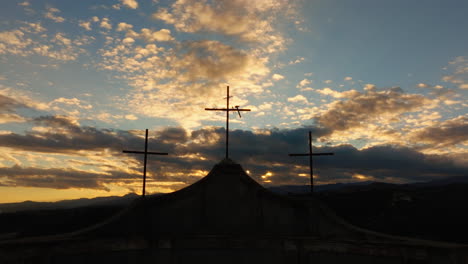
(382, 84)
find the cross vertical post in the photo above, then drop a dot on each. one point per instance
(310, 154)
(311, 164)
(145, 161)
(227, 110)
(227, 122)
(145, 153)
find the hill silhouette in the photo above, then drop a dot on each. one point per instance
(47, 218)
(433, 210)
(66, 204)
(428, 211)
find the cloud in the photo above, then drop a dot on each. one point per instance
(369, 106)
(10, 118)
(58, 47)
(12, 98)
(27, 7)
(61, 102)
(61, 39)
(296, 61)
(248, 20)
(133, 4)
(195, 70)
(86, 25)
(369, 87)
(265, 106)
(111, 118)
(213, 60)
(336, 94)
(131, 117)
(177, 78)
(173, 135)
(386, 161)
(56, 178)
(277, 77)
(8, 104)
(193, 16)
(147, 35)
(303, 85)
(12, 101)
(61, 135)
(443, 133)
(267, 151)
(298, 99)
(128, 41)
(103, 163)
(193, 60)
(105, 23)
(62, 48)
(14, 42)
(122, 26)
(33, 27)
(459, 75)
(8, 107)
(383, 116)
(52, 14)
(193, 153)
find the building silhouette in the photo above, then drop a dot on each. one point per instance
(227, 217)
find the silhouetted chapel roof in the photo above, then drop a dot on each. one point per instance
(224, 205)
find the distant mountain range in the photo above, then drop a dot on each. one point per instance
(302, 189)
(67, 204)
(283, 189)
(354, 186)
(436, 210)
(126, 199)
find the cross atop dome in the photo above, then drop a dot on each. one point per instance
(227, 110)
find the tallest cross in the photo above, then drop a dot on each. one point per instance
(227, 110)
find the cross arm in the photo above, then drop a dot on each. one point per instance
(224, 109)
(142, 152)
(216, 109)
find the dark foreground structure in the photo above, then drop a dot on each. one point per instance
(227, 217)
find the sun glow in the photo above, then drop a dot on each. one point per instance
(361, 177)
(266, 175)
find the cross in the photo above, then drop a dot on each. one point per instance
(227, 110)
(310, 154)
(146, 152)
